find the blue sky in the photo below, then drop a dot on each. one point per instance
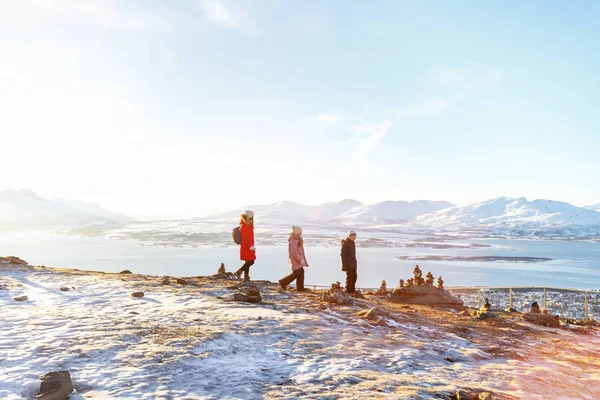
(189, 107)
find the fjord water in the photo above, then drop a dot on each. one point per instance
(573, 265)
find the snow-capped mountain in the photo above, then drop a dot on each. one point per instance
(391, 211)
(595, 207)
(21, 208)
(346, 211)
(517, 215)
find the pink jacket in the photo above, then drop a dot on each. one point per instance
(296, 255)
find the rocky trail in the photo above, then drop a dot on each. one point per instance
(188, 339)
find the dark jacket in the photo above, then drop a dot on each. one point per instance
(348, 255)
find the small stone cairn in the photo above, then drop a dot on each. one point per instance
(223, 274)
(336, 295)
(401, 283)
(440, 282)
(485, 311)
(418, 279)
(429, 279)
(383, 291)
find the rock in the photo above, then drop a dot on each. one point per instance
(64, 289)
(425, 295)
(252, 295)
(465, 395)
(55, 386)
(450, 360)
(182, 281)
(126, 272)
(21, 298)
(485, 396)
(358, 294)
(483, 315)
(166, 281)
(535, 308)
(373, 313)
(137, 294)
(549, 320)
(13, 260)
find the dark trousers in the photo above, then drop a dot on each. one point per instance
(351, 280)
(246, 267)
(297, 275)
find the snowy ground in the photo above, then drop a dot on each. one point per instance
(190, 342)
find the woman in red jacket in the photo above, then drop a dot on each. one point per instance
(247, 250)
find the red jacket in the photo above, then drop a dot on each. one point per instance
(247, 234)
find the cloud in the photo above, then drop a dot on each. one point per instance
(369, 137)
(432, 107)
(219, 14)
(76, 12)
(327, 118)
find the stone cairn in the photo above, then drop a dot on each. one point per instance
(383, 291)
(222, 269)
(418, 280)
(417, 290)
(429, 279)
(485, 310)
(440, 282)
(535, 308)
(401, 283)
(486, 305)
(336, 295)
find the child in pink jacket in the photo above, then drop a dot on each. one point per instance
(297, 260)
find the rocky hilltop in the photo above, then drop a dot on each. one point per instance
(127, 335)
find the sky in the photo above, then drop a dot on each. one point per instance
(185, 108)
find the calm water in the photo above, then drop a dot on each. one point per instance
(575, 265)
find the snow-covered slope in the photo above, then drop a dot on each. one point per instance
(595, 207)
(20, 208)
(517, 215)
(391, 211)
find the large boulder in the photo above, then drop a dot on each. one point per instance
(55, 386)
(425, 295)
(542, 319)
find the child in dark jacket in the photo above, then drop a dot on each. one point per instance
(349, 263)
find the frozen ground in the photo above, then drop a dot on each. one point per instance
(190, 342)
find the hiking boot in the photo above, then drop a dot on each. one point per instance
(238, 273)
(283, 286)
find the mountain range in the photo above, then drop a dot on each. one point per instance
(21, 208)
(344, 212)
(517, 215)
(504, 215)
